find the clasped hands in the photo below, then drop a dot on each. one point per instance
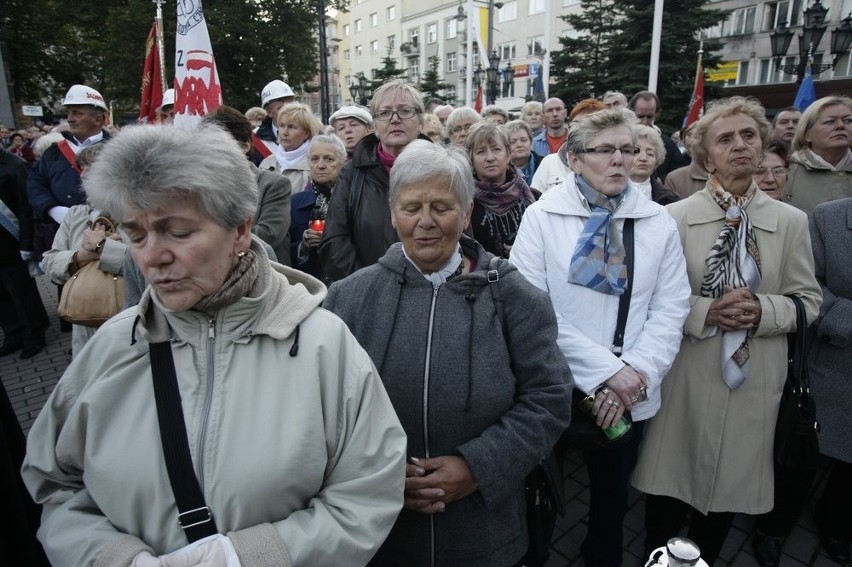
(212, 551)
(737, 309)
(619, 393)
(431, 484)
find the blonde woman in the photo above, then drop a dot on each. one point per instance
(296, 126)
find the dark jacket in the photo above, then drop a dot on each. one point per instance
(301, 206)
(496, 392)
(358, 238)
(13, 175)
(661, 194)
(674, 159)
(271, 220)
(54, 183)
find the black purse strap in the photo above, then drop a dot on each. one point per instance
(624, 300)
(193, 514)
(797, 350)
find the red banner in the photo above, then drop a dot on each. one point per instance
(152, 87)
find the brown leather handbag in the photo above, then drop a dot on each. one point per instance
(91, 296)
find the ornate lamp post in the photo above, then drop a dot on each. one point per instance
(361, 90)
(493, 74)
(812, 33)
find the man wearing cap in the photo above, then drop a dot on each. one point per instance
(54, 185)
(273, 96)
(167, 109)
(351, 123)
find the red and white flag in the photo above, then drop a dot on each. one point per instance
(696, 103)
(152, 87)
(197, 89)
(477, 104)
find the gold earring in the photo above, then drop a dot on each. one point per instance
(241, 254)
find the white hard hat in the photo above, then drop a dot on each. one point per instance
(81, 94)
(168, 99)
(275, 90)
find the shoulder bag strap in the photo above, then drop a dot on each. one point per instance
(797, 349)
(624, 300)
(193, 514)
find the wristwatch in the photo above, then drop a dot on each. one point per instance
(100, 244)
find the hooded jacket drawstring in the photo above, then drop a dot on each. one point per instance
(471, 298)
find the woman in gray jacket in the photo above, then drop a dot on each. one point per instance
(292, 441)
(467, 350)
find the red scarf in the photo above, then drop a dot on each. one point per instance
(384, 157)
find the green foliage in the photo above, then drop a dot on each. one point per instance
(53, 44)
(387, 72)
(614, 49)
(431, 85)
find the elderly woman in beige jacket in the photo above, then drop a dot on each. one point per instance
(710, 447)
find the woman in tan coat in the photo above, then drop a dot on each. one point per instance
(710, 446)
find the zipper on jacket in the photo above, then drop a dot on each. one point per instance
(426, 371)
(208, 401)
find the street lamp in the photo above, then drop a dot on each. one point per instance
(493, 73)
(812, 33)
(461, 16)
(508, 79)
(361, 90)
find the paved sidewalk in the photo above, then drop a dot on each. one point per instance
(29, 383)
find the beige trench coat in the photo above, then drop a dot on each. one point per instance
(709, 446)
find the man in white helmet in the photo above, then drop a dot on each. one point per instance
(54, 186)
(273, 96)
(166, 110)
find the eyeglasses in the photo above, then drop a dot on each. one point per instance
(404, 113)
(777, 171)
(607, 150)
(461, 128)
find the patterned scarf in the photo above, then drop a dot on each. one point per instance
(236, 286)
(598, 259)
(504, 204)
(733, 260)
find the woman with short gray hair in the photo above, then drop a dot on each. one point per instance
(459, 122)
(241, 348)
(477, 380)
(652, 152)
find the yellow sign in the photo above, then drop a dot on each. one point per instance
(726, 71)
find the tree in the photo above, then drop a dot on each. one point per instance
(581, 66)
(103, 45)
(613, 51)
(388, 71)
(431, 85)
(683, 21)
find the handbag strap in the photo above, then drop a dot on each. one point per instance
(194, 515)
(624, 300)
(797, 349)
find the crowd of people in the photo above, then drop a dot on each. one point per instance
(350, 343)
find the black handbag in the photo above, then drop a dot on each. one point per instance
(796, 433)
(584, 433)
(545, 499)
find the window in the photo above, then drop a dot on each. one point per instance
(374, 19)
(844, 66)
(535, 45)
(739, 22)
(359, 51)
(570, 2)
(374, 47)
(431, 33)
(414, 70)
(777, 12)
(508, 50)
(508, 12)
(391, 12)
(347, 30)
(742, 75)
(450, 95)
(391, 41)
(414, 37)
(358, 25)
(536, 6)
(451, 62)
(452, 28)
(347, 54)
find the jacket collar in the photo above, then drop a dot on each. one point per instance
(566, 199)
(763, 211)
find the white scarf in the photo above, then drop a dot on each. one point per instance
(287, 160)
(440, 276)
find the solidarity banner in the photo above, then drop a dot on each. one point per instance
(197, 89)
(152, 87)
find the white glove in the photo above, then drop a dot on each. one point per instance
(26, 255)
(213, 551)
(58, 213)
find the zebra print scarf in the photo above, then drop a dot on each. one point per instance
(733, 260)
